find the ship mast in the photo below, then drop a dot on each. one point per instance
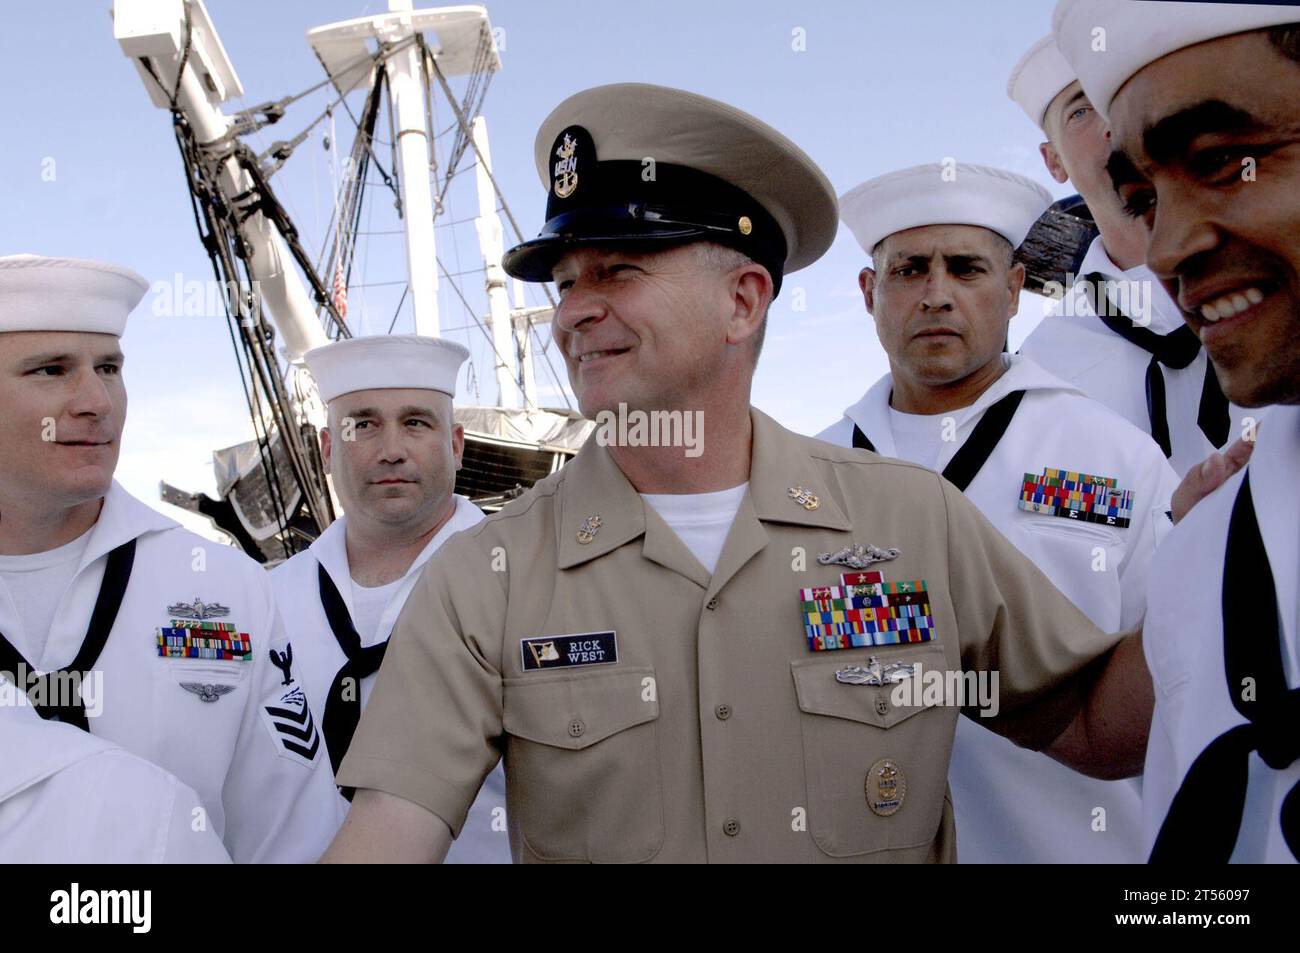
(492, 245)
(406, 85)
(254, 246)
(185, 55)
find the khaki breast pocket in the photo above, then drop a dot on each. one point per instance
(583, 764)
(860, 750)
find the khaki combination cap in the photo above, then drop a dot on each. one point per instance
(641, 165)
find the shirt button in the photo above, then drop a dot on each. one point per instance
(731, 827)
(712, 603)
(723, 712)
(576, 728)
(882, 707)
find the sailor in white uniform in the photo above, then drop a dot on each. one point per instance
(393, 450)
(1138, 358)
(115, 619)
(1076, 488)
(67, 797)
(1221, 638)
(1230, 753)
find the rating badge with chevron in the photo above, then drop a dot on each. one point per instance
(288, 717)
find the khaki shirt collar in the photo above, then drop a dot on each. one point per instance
(594, 486)
(781, 462)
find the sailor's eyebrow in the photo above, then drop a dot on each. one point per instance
(414, 410)
(1068, 105)
(49, 357)
(1169, 138)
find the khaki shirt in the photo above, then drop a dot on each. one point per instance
(717, 734)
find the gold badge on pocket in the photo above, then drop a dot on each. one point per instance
(886, 787)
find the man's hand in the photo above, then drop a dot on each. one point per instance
(383, 829)
(1207, 476)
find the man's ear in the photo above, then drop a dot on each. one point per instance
(458, 444)
(1052, 159)
(751, 296)
(325, 446)
(867, 282)
(1015, 282)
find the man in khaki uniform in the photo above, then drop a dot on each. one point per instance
(651, 638)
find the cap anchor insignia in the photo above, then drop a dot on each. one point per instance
(566, 170)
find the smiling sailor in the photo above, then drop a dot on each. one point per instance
(691, 653)
(393, 449)
(115, 619)
(1191, 91)
(1136, 358)
(1075, 487)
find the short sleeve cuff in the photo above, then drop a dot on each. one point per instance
(411, 783)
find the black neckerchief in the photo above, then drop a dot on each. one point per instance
(343, 704)
(1177, 350)
(112, 589)
(966, 463)
(1204, 818)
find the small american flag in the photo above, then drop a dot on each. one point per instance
(340, 293)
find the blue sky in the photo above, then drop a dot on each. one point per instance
(879, 85)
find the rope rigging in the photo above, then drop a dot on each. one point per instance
(297, 494)
(271, 411)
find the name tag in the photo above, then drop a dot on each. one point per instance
(566, 651)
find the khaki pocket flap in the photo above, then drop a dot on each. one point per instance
(820, 693)
(576, 710)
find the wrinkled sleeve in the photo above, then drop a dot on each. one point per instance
(186, 840)
(430, 733)
(1013, 622)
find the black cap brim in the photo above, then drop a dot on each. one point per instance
(534, 260)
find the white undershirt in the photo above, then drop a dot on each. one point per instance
(701, 520)
(36, 582)
(368, 607)
(918, 438)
